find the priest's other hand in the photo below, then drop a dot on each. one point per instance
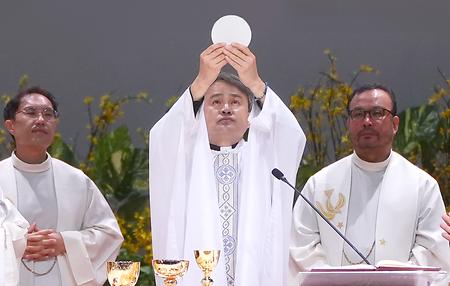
(44, 244)
(244, 62)
(446, 226)
(212, 61)
(33, 227)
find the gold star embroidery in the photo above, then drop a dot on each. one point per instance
(383, 242)
(340, 225)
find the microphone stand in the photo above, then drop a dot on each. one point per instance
(280, 176)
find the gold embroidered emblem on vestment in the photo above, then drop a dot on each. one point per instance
(330, 210)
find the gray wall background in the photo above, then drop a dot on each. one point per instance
(88, 48)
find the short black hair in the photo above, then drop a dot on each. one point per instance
(372, 86)
(10, 110)
(234, 80)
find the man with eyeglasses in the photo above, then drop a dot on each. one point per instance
(73, 232)
(386, 206)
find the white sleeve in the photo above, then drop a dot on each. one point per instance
(12, 241)
(429, 247)
(17, 227)
(276, 133)
(169, 151)
(98, 241)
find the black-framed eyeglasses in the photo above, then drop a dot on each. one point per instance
(377, 113)
(47, 113)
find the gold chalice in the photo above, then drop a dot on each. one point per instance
(207, 261)
(123, 273)
(170, 270)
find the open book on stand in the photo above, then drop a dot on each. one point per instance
(382, 265)
(384, 273)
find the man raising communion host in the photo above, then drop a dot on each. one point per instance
(211, 187)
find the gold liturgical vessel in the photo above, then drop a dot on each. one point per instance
(170, 270)
(207, 261)
(123, 273)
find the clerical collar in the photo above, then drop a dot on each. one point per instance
(370, 166)
(32, 168)
(223, 148)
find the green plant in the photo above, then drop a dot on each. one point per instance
(423, 136)
(322, 112)
(138, 244)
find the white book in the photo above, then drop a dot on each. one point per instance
(382, 265)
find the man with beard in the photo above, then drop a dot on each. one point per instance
(385, 205)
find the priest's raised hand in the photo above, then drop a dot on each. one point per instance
(211, 156)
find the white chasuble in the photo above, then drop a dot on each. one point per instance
(185, 210)
(82, 216)
(13, 229)
(407, 221)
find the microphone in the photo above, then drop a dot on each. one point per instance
(280, 176)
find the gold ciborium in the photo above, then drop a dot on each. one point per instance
(207, 261)
(123, 273)
(170, 270)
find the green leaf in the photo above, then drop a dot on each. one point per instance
(418, 134)
(60, 150)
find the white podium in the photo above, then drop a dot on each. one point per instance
(373, 278)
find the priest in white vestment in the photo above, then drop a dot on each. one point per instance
(73, 231)
(13, 230)
(212, 189)
(387, 207)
